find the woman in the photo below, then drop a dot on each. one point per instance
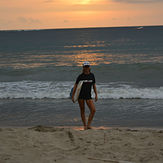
(85, 94)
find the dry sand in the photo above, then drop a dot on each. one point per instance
(42, 144)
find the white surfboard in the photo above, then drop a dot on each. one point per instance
(77, 92)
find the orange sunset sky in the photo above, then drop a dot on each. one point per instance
(45, 14)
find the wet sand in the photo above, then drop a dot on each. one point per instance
(41, 144)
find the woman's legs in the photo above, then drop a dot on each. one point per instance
(92, 112)
(82, 112)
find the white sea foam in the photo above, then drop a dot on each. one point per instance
(130, 92)
(59, 90)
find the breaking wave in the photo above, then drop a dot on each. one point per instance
(61, 90)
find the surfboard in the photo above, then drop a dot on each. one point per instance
(77, 92)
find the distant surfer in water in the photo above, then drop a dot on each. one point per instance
(85, 94)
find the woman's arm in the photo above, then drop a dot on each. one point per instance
(74, 90)
(95, 90)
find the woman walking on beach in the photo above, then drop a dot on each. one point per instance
(85, 94)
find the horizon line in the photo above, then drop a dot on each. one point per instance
(70, 28)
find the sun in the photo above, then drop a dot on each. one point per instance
(81, 2)
(84, 2)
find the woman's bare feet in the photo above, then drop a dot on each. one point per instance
(89, 127)
(85, 127)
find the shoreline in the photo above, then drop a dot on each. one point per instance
(69, 144)
(80, 128)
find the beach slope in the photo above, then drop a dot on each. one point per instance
(43, 144)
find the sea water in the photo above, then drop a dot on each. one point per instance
(38, 68)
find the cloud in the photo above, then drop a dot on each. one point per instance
(28, 20)
(66, 21)
(48, 1)
(138, 1)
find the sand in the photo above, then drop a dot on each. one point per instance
(42, 144)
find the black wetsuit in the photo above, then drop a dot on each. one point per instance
(88, 81)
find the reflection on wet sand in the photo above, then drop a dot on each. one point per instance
(80, 128)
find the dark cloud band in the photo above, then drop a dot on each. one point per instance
(138, 1)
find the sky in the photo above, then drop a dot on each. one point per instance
(50, 14)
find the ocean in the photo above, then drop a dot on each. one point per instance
(38, 68)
